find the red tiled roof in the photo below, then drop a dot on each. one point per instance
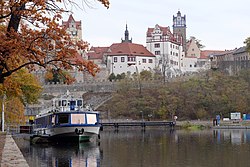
(66, 23)
(97, 52)
(130, 49)
(165, 31)
(76, 57)
(205, 53)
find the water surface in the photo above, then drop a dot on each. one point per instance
(150, 148)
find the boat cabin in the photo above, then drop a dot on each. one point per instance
(67, 104)
(67, 119)
(67, 111)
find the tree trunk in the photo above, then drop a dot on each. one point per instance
(15, 18)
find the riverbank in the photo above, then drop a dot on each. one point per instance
(2, 142)
(10, 154)
(201, 124)
(207, 124)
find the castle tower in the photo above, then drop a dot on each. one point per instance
(126, 34)
(73, 27)
(179, 28)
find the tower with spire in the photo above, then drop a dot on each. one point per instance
(179, 28)
(126, 34)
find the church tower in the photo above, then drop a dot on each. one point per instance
(126, 34)
(179, 28)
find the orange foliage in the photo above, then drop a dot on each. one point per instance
(105, 2)
(19, 89)
(49, 75)
(14, 111)
(31, 36)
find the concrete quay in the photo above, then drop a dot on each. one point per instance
(11, 154)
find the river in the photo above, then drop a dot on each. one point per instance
(156, 147)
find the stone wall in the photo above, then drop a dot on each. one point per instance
(105, 86)
(233, 67)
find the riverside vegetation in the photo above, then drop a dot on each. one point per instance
(200, 97)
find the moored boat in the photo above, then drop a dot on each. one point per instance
(67, 120)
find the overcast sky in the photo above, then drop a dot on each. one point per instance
(219, 24)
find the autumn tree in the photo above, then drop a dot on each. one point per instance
(21, 88)
(58, 75)
(247, 42)
(31, 36)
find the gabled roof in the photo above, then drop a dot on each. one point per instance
(97, 52)
(165, 31)
(129, 49)
(71, 18)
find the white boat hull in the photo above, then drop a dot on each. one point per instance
(68, 133)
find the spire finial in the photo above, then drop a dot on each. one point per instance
(126, 34)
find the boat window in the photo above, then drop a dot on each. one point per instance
(53, 119)
(91, 119)
(79, 102)
(63, 118)
(40, 122)
(77, 118)
(59, 103)
(64, 102)
(72, 104)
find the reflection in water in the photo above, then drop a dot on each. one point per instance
(61, 154)
(235, 136)
(150, 148)
(75, 155)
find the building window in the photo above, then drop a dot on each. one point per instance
(122, 59)
(131, 58)
(157, 45)
(144, 61)
(176, 54)
(170, 45)
(150, 60)
(157, 52)
(190, 65)
(115, 59)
